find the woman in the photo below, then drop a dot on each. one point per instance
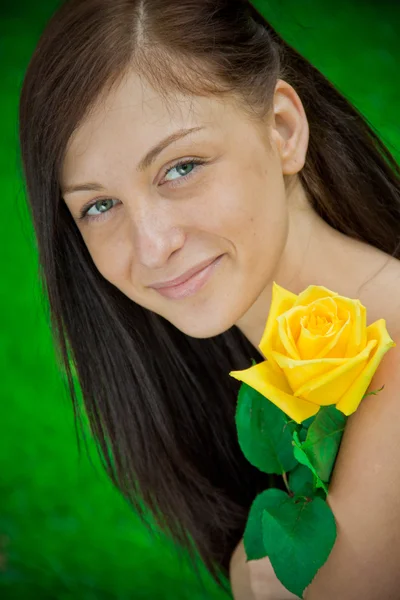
(163, 140)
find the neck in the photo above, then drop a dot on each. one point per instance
(314, 254)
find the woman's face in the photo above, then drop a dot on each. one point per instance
(151, 220)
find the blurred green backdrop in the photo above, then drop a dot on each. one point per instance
(64, 530)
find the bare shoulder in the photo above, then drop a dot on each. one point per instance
(364, 497)
(382, 296)
(364, 490)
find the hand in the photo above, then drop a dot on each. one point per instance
(255, 579)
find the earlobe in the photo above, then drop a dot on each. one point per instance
(290, 128)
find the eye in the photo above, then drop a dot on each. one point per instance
(181, 166)
(106, 203)
(85, 212)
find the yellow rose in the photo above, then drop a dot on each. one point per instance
(318, 351)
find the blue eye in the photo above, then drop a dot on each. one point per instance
(181, 165)
(97, 204)
(84, 213)
(184, 163)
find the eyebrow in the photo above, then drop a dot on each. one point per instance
(144, 164)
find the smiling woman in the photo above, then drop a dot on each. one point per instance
(153, 229)
(169, 187)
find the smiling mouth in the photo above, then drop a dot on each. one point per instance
(182, 278)
(191, 285)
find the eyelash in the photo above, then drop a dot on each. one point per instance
(195, 161)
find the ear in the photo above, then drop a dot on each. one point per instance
(290, 130)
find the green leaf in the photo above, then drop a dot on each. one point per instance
(253, 533)
(323, 440)
(303, 458)
(306, 424)
(301, 428)
(298, 537)
(301, 481)
(302, 431)
(263, 433)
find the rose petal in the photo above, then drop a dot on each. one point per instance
(377, 331)
(295, 316)
(313, 292)
(358, 317)
(329, 388)
(273, 385)
(311, 345)
(302, 372)
(286, 337)
(337, 344)
(281, 301)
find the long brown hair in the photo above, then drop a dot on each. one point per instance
(161, 404)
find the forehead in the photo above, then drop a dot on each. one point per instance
(133, 116)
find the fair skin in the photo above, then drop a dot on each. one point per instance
(247, 204)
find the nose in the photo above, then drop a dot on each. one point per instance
(156, 235)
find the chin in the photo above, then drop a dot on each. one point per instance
(207, 328)
(207, 320)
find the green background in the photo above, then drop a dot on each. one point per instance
(65, 533)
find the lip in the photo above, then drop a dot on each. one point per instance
(184, 277)
(190, 282)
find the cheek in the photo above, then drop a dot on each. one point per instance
(111, 256)
(252, 214)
